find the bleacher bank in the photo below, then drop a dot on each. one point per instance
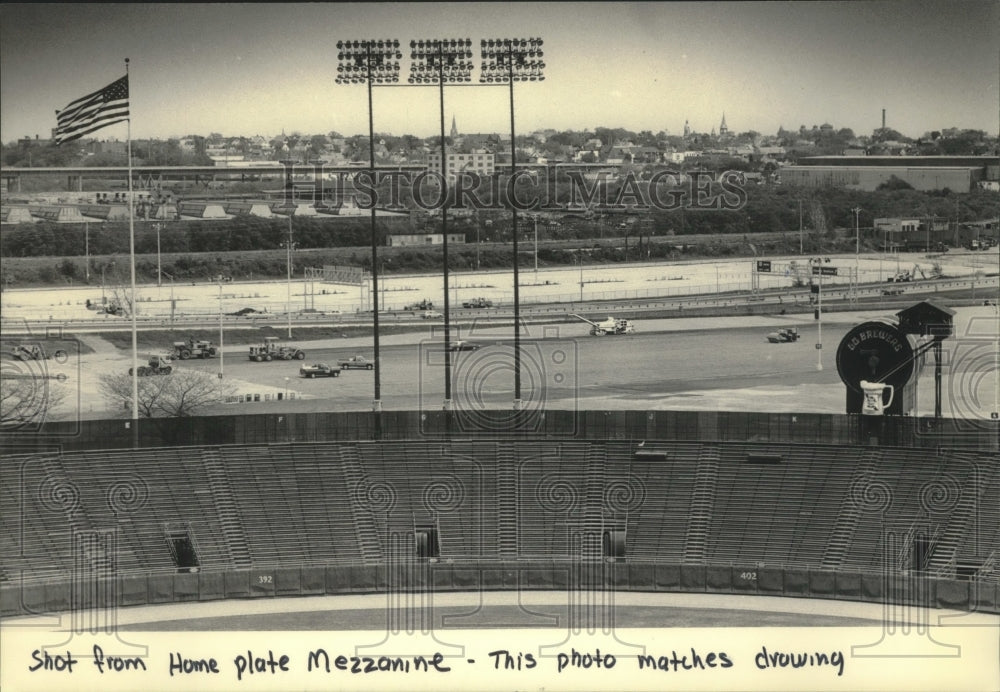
(98, 514)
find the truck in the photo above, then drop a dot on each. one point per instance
(156, 365)
(610, 326)
(36, 352)
(420, 305)
(319, 370)
(193, 348)
(478, 303)
(355, 363)
(272, 350)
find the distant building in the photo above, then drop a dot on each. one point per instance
(478, 161)
(925, 173)
(36, 142)
(868, 178)
(405, 239)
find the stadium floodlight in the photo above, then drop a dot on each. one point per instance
(505, 61)
(371, 62)
(445, 62)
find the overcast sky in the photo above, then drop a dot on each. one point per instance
(262, 68)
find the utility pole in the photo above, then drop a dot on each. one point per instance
(86, 244)
(800, 226)
(288, 264)
(159, 271)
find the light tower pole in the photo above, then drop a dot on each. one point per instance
(440, 62)
(371, 62)
(289, 246)
(505, 61)
(444, 62)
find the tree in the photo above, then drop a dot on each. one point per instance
(177, 395)
(887, 134)
(27, 398)
(894, 183)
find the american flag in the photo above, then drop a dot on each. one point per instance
(93, 111)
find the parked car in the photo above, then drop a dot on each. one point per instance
(356, 363)
(431, 315)
(319, 370)
(463, 346)
(784, 336)
(478, 303)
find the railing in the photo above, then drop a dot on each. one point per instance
(53, 594)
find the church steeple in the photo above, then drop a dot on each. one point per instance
(454, 128)
(723, 129)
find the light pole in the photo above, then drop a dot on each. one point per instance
(535, 219)
(857, 235)
(159, 272)
(385, 273)
(289, 245)
(172, 303)
(800, 226)
(881, 256)
(222, 359)
(440, 62)
(505, 61)
(104, 300)
(817, 269)
(86, 245)
(371, 62)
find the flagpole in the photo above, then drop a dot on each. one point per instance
(131, 254)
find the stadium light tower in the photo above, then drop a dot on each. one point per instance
(370, 62)
(505, 61)
(445, 62)
(441, 62)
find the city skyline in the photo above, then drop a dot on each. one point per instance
(244, 70)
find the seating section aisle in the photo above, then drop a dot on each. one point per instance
(317, 503)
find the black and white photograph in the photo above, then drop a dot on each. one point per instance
(500, 346)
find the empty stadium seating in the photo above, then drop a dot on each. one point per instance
(725, 505)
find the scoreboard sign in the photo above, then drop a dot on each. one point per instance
(763, 265)
(876, 351)
(824, 271)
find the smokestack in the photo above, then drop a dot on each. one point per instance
(883, 118)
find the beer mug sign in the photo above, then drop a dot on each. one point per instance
(874, 397)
